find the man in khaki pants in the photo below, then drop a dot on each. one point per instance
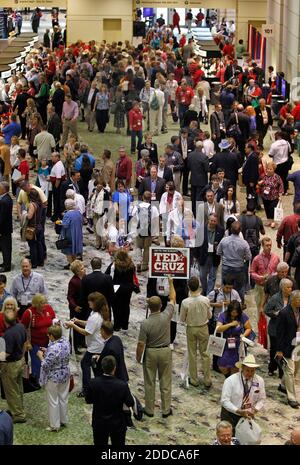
(154, 341)
(11, 370)
(196, 312)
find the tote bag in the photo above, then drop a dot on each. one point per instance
(216, 344)
(278, 213)
(248, 432)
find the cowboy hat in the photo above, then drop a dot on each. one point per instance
(248, 361)
(225, 144)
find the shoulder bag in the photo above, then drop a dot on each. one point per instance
(28, 345)
(30, 231)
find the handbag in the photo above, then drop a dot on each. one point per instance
(262, 331)
(234, 130)
(62, 244)
(28, 345)
(72, 383)
(113, 108)
(216, 344)
(136, 284)
(248, 432)
(30, 233)
(278, 212)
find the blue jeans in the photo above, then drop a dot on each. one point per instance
(181, 110)
(208, 274)
(238, 277)
(134, 135)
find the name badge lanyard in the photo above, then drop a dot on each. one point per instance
(26, 288)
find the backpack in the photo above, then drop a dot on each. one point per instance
(144, 221)
(154, 104)
(250, 233)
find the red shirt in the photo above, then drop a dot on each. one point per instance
(51, 68)
(185, 97)
(198, 75)
(135, 119)
(178, 74)
(287, 228)
(124, 168)
(182, 41)
(296, 112)
(176, 19)
(2, 324)
(228, 50)
(39, 324)
(24, 169)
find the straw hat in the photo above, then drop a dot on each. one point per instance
(248, 361)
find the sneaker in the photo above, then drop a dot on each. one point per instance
(52, 430)
(19, 420)
(166, 415)
(293, 404)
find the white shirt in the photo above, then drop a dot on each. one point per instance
(154, 218)
(209, 148)
(94, 341)
(279, 151)
(233, 393)
(58, 170)
(163, 202)
(160, 97)
(172, 86)
(80, 203)
(13, 155)
(200, 104)
(174, 221)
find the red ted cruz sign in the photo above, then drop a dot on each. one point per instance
(166, 262)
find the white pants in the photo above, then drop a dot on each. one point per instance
(57, 399)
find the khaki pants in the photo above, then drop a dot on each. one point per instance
(176, 179)
(259, 296)
(165, 119)
(289, 378)
(158, 360)
(156, 120)
(90, 117)
(68, 126)
(197, 338)
(12, 381)
(143, 244)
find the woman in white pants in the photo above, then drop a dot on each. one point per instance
(55, 376)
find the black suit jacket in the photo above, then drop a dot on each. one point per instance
(96, 282)
(54, 126)
(198, 165)
(108, 394)
(146, 186)
(168, 174)
(250, 169)
(286, 331)
(203, 250)
(244, 124)
(259, 119)
(230, 161)
(58, 101)
(21, 102)
(114, 347)
(6, 207)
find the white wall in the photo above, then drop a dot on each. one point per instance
(284, 49)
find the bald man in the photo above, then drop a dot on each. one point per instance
(295, 438)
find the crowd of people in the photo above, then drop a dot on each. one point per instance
(163, 197)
